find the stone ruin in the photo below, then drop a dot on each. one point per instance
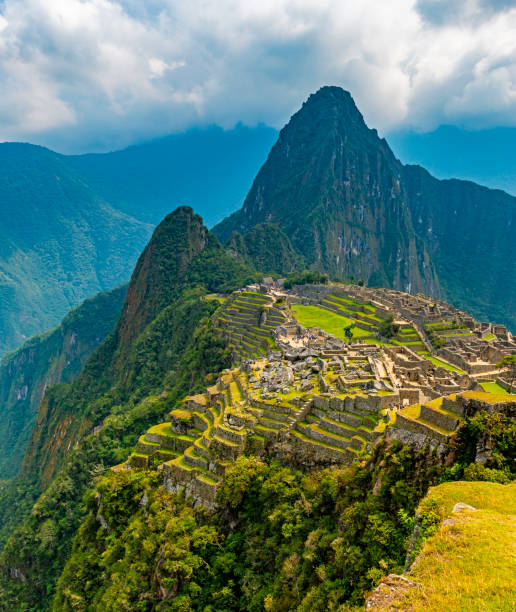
(320, 402)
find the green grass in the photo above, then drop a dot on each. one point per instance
(438, 324)
(327, 320)
(490, 398)
(163, 429)
(368, 307)
(440, 363)
(375, 341)
(213, 297)
(493, 387)
(470, 564)
(488, 337)
(366, 313)
(411, 412)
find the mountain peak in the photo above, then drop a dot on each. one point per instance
(332, 104)
(160, 269)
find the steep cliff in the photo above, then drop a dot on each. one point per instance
(267, 248)
(351, 209)
(43, 361)
(162, 347)
(336, 190)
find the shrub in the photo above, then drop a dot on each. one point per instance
(477, 471)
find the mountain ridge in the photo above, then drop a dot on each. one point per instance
(351, 209)
(71, 226)
(60, 242)
(45, 360)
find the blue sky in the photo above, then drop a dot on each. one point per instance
(82, 75)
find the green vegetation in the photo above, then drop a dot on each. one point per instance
(61, 242)
(492, 387)
(307, 200)
(466, 565)
(301, 542)
(267, 248)
(439, 363)
(57, 356)
(509, 362)
(280, 539)
(387, 328)
(315, 316)
(163, 346)
(306, 277)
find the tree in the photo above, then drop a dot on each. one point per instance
(387, 328)
(348, 331)
(509, 362)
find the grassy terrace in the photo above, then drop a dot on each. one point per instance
(437, 404)
(469, 565)
(305, 438)
(493, 387)
(440, 363)
(414, 413)
(214, 297)
(407, 342)
(488, 337)
(439, 324)
(331, 322)
(490, 398)
(354, 314)
(367, 307)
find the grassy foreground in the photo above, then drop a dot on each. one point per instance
(469, 563)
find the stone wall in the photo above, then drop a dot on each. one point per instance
(438, 418)
(316, 455)
(434, 438)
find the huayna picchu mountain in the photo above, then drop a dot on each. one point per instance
(351, 209)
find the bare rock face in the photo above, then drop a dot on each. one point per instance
(459, 508)
(387, 592)
(350, 208)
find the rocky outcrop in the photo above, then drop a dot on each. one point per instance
(352, 210)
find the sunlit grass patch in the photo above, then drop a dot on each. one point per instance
(471, 563)
(327, 320)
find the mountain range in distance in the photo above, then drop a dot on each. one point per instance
(72, 226)
(331, 197)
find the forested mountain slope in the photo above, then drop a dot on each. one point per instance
(71, 226)
(43, 361)
(59, 242)
(162, 347)
(351, 209)
(293, 536)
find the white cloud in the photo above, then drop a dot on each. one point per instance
(77, 74)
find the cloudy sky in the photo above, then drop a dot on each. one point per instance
(82, 75)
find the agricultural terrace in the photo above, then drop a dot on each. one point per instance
(328, 321)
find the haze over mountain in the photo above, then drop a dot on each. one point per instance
(209, 169)
(60, 242)
(46, 360)
(484, 156)
(71, 226)
(351, 209)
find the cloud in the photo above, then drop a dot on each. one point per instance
(99, 74)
